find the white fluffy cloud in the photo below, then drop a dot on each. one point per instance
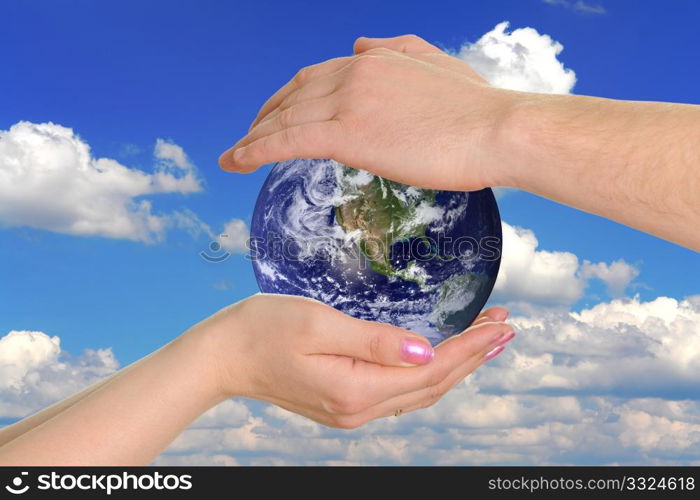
(21, 351)
(468, 427)
(616, 275)
(34, 372)
(519, 60)
(235, 236)
(530, 275)
(50, 180)
(533, 275)
(625, 346)
(174, 172)
(173, 154)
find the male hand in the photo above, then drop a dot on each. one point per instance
(400, 108)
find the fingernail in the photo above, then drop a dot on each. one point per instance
(505, 337)
(494, 352)
(416, 352)
(238, 154)
(224, 156)
(501, 316)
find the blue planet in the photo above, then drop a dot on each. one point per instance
(375, 249)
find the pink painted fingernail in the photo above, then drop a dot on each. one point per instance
(416, 352)
(505, 337)
(494, 352)
(502, 337)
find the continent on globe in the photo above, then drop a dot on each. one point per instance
(422, 259)
(384, 212)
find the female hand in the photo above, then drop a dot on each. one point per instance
(400, 108)
(311, 359)
(294, 352)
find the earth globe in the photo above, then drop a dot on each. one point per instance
(422, 259)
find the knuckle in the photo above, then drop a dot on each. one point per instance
(286, 117)
(434, 378)
(290, 136)
(378, 51)
(286, 102)
(428, 402)
(262, 146)
(302, 75)
(435, 392)
(374, 347)
(366, 63)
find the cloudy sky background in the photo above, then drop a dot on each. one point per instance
(109, 190)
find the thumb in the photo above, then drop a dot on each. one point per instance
(410, 44)
(377, 343)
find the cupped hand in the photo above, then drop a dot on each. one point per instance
(340, 371)
(400, 108)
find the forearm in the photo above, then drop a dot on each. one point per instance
(10, 432)
(127, 419)
(633, 162)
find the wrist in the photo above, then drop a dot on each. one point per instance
(492, 158)
(523, 139)
(196, 351)
(219, 353)
(541, 138)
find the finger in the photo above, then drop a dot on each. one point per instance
(434, 393)
(404, 43)
(315, 110)
(474, 341)
(368, 384)
(496, 313)
(463, 371)
(380, 383)
(322, 87)
(417, 48)
(303, 76)
(449, 63)
(377, 343)
(310, 140)
(420, 399)
(424, 397)
(364, 396)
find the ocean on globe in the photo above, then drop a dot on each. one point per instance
(422, 259)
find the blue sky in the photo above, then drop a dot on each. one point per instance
(123, 74)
